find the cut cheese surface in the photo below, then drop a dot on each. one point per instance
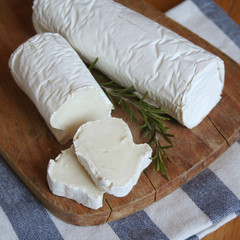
(68, 178)
(136, 51)
(88, 104)
(51, 73)
(107, 151)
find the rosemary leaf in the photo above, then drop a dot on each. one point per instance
(91, 67)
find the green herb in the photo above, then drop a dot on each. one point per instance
(152, 118)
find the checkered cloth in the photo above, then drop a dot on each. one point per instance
(200, 206)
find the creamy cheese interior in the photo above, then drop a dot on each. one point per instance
(109, 152)
(67, 170)
(88, 104)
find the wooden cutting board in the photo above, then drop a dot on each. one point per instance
(27, 145)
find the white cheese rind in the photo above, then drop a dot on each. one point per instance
(67, 178)
(107, 151)
(51, 73)
(132, 49)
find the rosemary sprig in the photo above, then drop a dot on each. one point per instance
(152, 117)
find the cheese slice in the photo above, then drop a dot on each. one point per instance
(134, 50)
(51, 73)
(67, 178)
(107, 151)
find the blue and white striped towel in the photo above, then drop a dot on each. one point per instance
(199, 207)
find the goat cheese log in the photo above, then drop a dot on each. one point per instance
(67, 178)
(136, 51)
(107, 151)
(53, 76)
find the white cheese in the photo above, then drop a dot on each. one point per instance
(68, 178)
(107, 151)
(178, 75)
(51, 73)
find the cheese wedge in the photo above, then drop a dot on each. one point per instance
(51, 73)
(107, 151)
(134, 50)
(67, 178)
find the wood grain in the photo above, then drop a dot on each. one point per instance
(163, 5)
(27, 144)
(225, 4)
(235, 10)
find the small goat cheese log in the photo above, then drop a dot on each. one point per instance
(107, 151)
(67, 178)
(136, 51)
(51, 73)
